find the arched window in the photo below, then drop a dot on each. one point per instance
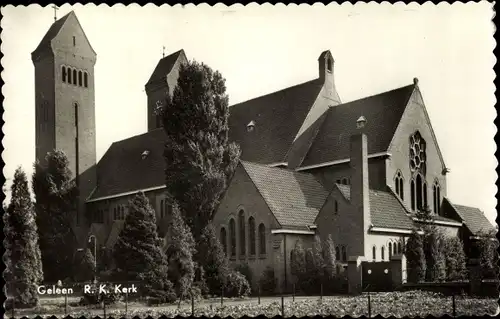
(232, 235)
(412, 190)
(80, 78)
(74, 77)
(251, 235)
(418, 158)
(336, 206)
(223, 239)
(85, 79)
(394, 250)
(162, 209)
(398, 183)
(374, 253)
(344, 254)
(262, 239)
(337, 253)
(400, 251)
(420, 191)
(390, 250)
(436, 199)
(382, 253)
(344, 181)
(69, 75)
(329, 64)
(123, 213)
(241, 220)
(64, 74)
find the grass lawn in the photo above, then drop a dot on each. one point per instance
(398, 304)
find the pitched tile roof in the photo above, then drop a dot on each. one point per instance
(52, 33)
(385, 209)
(278, 117)
(123, 169)
(473, 218)
(383, 113)
(164, 67)
(294, 198)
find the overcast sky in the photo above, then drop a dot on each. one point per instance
(261, 49)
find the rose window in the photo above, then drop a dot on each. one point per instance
(417, 153)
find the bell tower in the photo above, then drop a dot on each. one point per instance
(65, 101)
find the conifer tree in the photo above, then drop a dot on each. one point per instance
(55, 194)
(138, 251)
(456, 268)
(86, 267)
(416, 258)
(298, 262)
(215, 265)
(180, 252)
(22, 256)
(199, 158)
(329, 258)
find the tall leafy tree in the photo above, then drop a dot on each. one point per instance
(298, 261)
(415, 257)
(86, 267)
(216, 266)
(180, 252)
(55, 206)
(330, 266)
(433, 241)
(138, 251)
(199, 158)
(22, 253)
(488, 254)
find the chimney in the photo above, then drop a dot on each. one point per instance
(326, 76)
(360, 186)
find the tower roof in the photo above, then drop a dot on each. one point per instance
(164, 67)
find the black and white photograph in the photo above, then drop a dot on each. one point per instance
(244, 160)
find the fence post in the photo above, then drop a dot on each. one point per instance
(282, 306)
(222, 295)
(369, 306)
(13, 306)
(259, 295)
(104, 307)
(126, 302)
(454, 307)
(293, 296)
(66, 304)
(192, 304)
(321, 296)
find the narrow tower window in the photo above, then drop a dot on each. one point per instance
(85, 80)
(74, 77)
(262, 239)
(329, 65)
(241, 219)
(74, 41)
(64, 74)
(436, 197)
(69, 75)
(398, 181)
(80, 78)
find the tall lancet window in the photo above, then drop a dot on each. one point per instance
(399, 185)
(436, 197)
(418, 168)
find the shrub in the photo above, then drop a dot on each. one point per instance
(488, 255)
(95, 297)
(211, 256)
(435, 258)
(267, 281)
(298, 262)
(237, 285)
(245, 270)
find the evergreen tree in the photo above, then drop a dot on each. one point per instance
(488, 254)
(215, 265)
(22, 253)
(86, 267)
(138, 251)
(298, 261)
(329, 259)
(199, 158)
(415, 258)
(319, 263)
(180, 252)
(55, 194)
(456, 268)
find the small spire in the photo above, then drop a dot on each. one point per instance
(55, 12)
(415, 81)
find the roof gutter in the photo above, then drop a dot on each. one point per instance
(292, 231)
(278, 164)
(393, 230)
(439, 222)
(342, 161)
(125, 193)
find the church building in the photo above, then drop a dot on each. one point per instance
(310, 165)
